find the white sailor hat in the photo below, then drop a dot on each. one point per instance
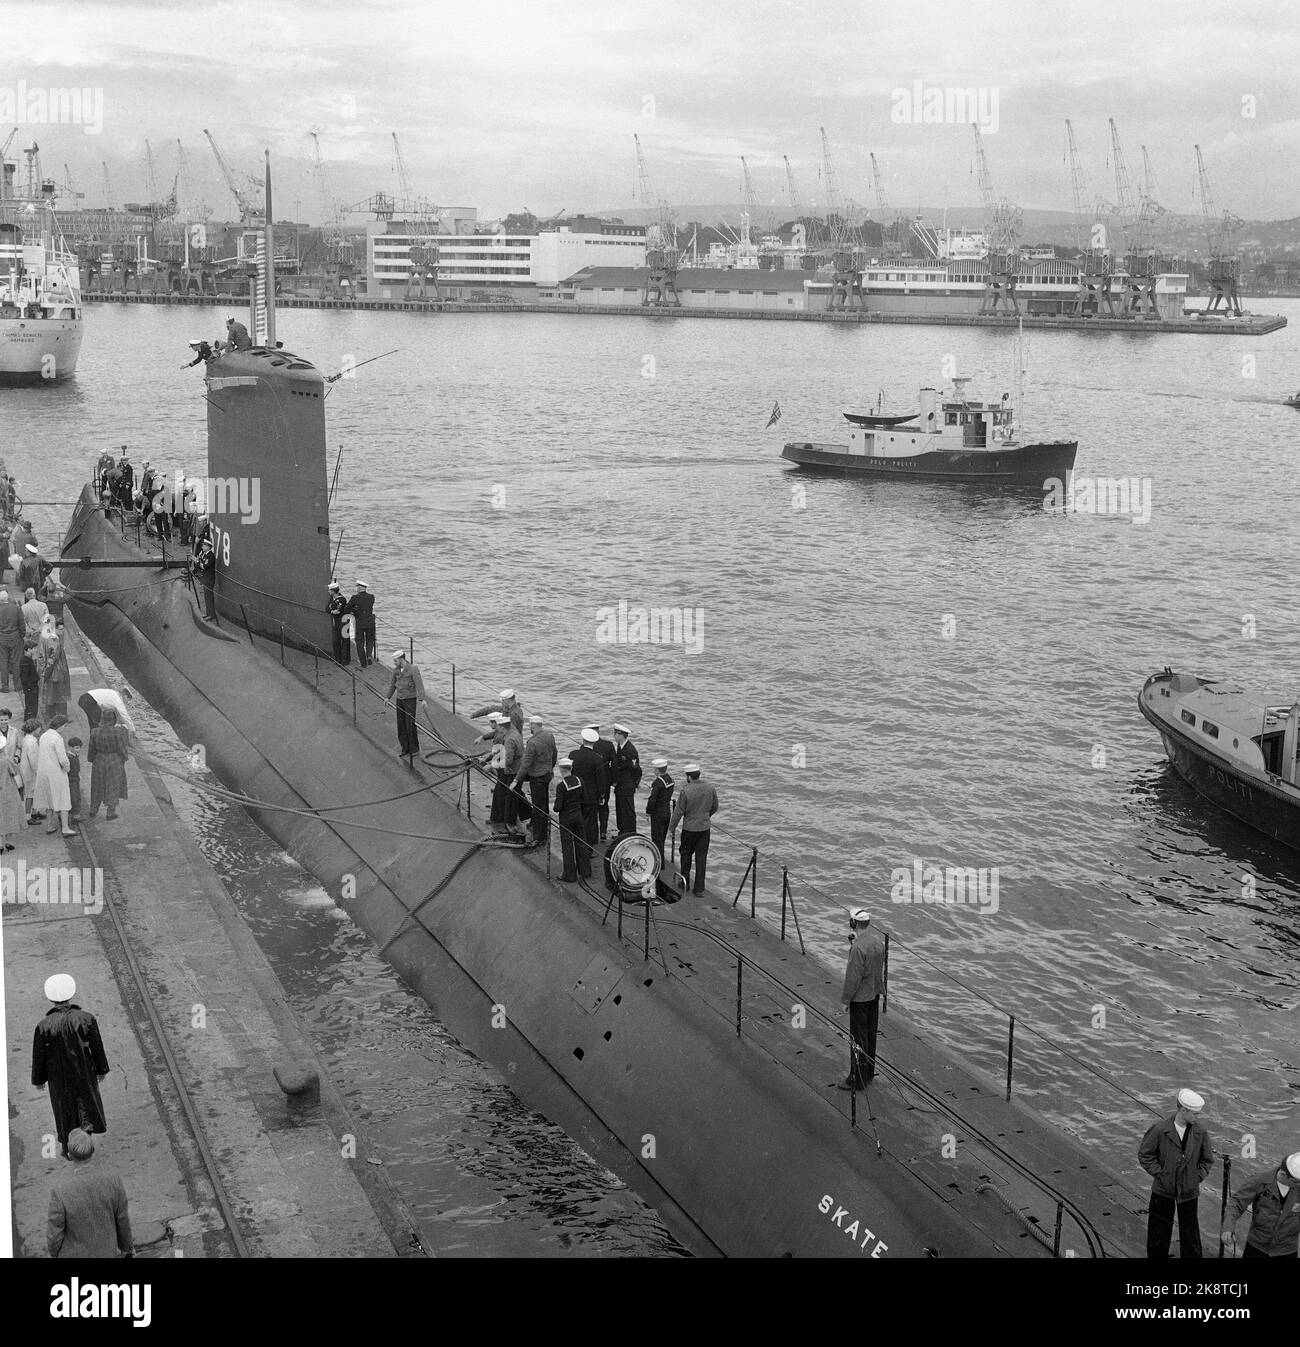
(1293, 1165)
(860, 915)
(1190, 1099)
(361, 584)
(592, 725)
(589, 736)
(333, 584)
(621, 729)
(659, 762)
(399, 654)
(535, 720)
(691, 767)
(31, 547)
(60, 987)
(565, 762)
(495, 718)
(507, 693)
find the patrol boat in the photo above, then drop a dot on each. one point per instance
(1236, 748)
(954, 440)
(40, 283)
(666, 1045)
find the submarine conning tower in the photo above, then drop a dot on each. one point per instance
(268, 496)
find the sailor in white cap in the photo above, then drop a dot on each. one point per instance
(864, 980)
(493, 740)
(1177, 1153)
(627, 777)
(568, 809)
(589, 768)
(508, 706)
(68, 1055)
(605, 747)
(537, 767)
(337, 608)
(694, 807)
(1273, 1196)
(406, 691)
(659, 805)
(361, 608)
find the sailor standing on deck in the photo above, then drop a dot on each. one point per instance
(864, 980)
(695, 806)
(568, 807)
(1273, 1197)
(536, 768)
(589, 768)
(105, 465)
(362, 608)
(406, 688)
(337, 607)
(204, 567)
(659, 806)
(605, 747)
(495, 735)
(1177, 1153)
(627, 777)
(509, 708)
(237, 338)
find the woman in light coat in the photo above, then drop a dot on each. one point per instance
(11, 801)
(52, 666)
(27, 753)
(53, 795)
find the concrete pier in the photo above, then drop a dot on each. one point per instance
(217, 1159)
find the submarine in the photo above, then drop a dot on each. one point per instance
(689, 1047)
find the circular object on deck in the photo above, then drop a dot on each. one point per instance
(636, 862)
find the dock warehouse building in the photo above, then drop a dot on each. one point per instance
(701, 288)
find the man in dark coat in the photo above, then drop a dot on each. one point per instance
(605, 747)
(88, 1215)
(13, 629)
(68, 1055)
(568, 806)
(864, 980)
(125, 482)
(337, 608)
(659, 806)
(626, 769)
(362, 607)
(589, 768)
(204, 567)
(1177, 1153)
(1273, 1196)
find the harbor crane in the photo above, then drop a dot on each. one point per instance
(158, 208)
(249, 195)
(106, 183)
(662, 254)
(4, 158)
(1095, 265)
(68, 189)
(881, 205)
(1140, 268)
(1002, 219)
(339, 273)
(422, 222)
(790, 187)
(846, 275)
(1221, 233)
(750, 197)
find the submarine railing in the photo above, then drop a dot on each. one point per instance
(471, 765)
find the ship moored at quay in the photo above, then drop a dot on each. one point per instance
(622, 1020)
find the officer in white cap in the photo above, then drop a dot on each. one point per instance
(406, 692)
(627, 777)
(361, 608)
(568, 809)
(694, 808)
(1273, 1196)
(337, 608)
(864, 980)
(659, 805)
(1177, 1153)
(589, 768)
(68, 1056)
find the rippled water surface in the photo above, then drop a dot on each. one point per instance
(889, 673)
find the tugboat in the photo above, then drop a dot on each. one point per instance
(956, 440)
(40, 283)
(1236, 748)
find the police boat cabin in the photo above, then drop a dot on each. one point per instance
(958, 439)
(1236, 748)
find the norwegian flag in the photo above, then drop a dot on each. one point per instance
(775, 417)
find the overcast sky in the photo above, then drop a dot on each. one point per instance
(503, 104)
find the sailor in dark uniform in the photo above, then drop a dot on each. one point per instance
(125, 482)
(146, 491)
(336, 608)
(627, 777)
(362, 607)
(568, 806)
(202, 352)
(204, 567)
(68, 1056)
(605, 748)
(659, 805)
(589, 768)
(105, 465)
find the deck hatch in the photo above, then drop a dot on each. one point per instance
(598, 979)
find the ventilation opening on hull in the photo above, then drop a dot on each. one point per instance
(577, 1052)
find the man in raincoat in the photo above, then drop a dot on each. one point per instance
(68, 1056)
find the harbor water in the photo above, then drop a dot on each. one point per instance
(878, 677)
